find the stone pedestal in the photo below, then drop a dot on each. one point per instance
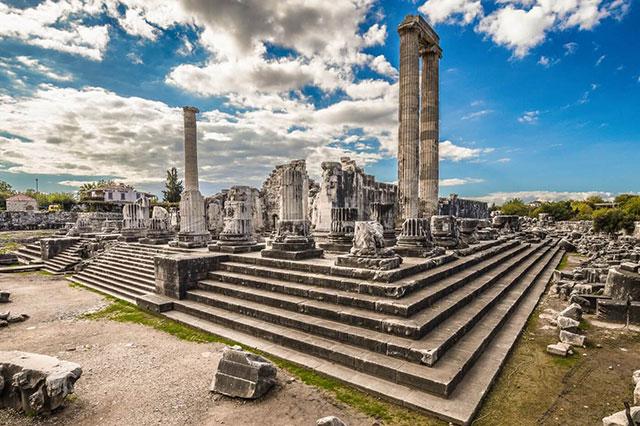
(467, 229)
(237, 235)
(293, 237)
(368, 249)
(384, 214)
(414, 240)
(134, 222)
(340, 238)
(444, 232)
(158, 228)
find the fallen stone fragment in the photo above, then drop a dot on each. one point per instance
(330, 421)
(562, 349)
(629, 266)
(636, 394)
(4, 296)
(33, 383)
(242, 374)
(3, 323)
(17, 318)
(620, 418)
(572, 338)
(567, 245)
(573, 311)
(4, 315)
(566, 323)
(636, 377)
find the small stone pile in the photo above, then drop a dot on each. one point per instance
(7, 318)
(568, 322)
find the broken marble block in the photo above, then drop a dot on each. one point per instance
(16, 318)
(562, 349)
(243, 375)
(35, 383)
(368, 249)
(620, 418)
(572, 338)
(636, 377)
(330, 421)
(4, 296)
(573, 311)
(566, 323)
(636, 394)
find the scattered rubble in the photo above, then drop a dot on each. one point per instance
(4, 296)
(243, 375)
(620, 418)
(33, 383)
(562, 349)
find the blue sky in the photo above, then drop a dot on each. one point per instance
(539, 99)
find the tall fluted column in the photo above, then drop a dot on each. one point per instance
(190, 148)
(408, 128)
(429, 132)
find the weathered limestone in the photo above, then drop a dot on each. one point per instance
(134, 222)
(620, 418)
(561, 349)
(242, 374)
(368, 249)
(158, 227)
(340, 238)
(467, 230)
(572, 338)
(429, 131)
(408, 120)
(238, 234)
(177, 273)
(622, 285)
(415, 238)
(33, 383)
(193, 227)
(444, 231)
(4, 296)
(330, 421)
(293, 239)
(506, 223)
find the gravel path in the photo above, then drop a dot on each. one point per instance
(135, 375)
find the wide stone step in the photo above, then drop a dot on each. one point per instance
(128, 265)
(137, 259)
(113, 291)
(123, 278)
(397, 289)
(126, 289)
(295, 311)
(296, 297)
(460, 405)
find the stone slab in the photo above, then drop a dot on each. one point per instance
(21, 268)
(291, 255)
(154, 303)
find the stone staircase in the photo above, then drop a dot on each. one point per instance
(125, 271)
(412, 340)
(65, 260)
(30, 254)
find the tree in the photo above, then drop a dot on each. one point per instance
(593, 200)
(174, 187)
(582, 210)
(515, 207)
(88, 186)
(632, 207)
(612, 221)
(623, 198)
(559, 210)
(6, 191)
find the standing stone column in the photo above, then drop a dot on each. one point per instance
(408, 118)
(293, 239)
(193, 227)
(238, 233)
(429, 132)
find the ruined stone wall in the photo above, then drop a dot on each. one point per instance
(215, 211)
(464, 208)
(344, 184)
(10, 221)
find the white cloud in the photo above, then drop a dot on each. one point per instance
(570, 48)
(600, 59)
(529, 117)
(521, 25)
(29, 64)
(380, 65)
(450, 151)
(459, 181)
(547, 62)
(477, 114)
(528, 196)
(451, 11)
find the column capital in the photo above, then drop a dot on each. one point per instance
(431, 49)
(190, 109)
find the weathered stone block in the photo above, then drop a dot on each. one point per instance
(178, 273)
(622, 285)
(561, 349)
(573, 311)
(51, 247)
(566, 323)
(620, 418)
(4, 296)
(35, 383)
(572, 338)
(244, 375)
(330, 421)
(610, 310)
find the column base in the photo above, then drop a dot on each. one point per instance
(235, 247)
(131, 235)
(191, 240)
(293, 248)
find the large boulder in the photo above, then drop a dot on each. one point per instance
(34, 383)
(241, 374)
(573, 311)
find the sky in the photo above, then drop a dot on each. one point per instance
(539, 99)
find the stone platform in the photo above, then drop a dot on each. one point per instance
(431, 335)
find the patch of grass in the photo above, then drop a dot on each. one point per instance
(564, 263)
(9, 247)
(122, 311)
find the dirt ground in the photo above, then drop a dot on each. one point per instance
(136, 375)
(536, 388)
